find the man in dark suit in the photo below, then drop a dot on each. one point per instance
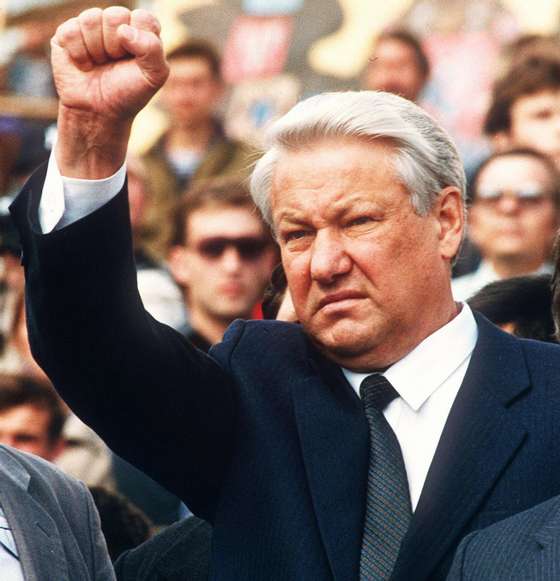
(49, 524)
(286, 436)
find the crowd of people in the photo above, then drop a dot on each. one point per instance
(308, 363)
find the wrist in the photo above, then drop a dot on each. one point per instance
(90, 146)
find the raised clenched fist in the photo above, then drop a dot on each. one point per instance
(108, 62)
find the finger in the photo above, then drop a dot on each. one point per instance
(68, 37)
(148, 50)
(91, 25)
(144, 20)
(113, 17)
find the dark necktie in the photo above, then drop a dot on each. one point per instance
(388, 509)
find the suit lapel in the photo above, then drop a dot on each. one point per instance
(35, 533)
(480, 437)
(334, 441)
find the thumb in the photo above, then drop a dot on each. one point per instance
(147, 48)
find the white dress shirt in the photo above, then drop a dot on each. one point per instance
(427, 381)
(66, 200)
(10, 566)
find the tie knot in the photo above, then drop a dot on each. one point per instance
(376, 391)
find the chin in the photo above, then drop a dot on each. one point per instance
(346, 343)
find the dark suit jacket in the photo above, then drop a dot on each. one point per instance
(264, 438)
(525, 547)
(181, 552)
(54, 521)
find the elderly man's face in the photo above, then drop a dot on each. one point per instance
(369, 278)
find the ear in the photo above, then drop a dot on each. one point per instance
(179, 262)
(451, 219)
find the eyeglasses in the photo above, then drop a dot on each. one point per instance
(248, 248)
(527, 196)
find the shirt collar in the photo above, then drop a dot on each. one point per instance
(420, 373)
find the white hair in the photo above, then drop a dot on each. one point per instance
(426, 159)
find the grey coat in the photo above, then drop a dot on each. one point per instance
(53, 519)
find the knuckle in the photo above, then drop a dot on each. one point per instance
(145, 20)
(90, 18)
(68, 31)
(116, 15)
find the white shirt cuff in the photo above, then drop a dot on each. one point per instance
(67, 200)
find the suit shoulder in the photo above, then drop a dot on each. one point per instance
(21, 466)
(262, 335)
(540, 356)
(500, 550)
(255, 331)
(181, 551)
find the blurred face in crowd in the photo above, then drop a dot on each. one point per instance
(368, 276)
(226, 262)
(191, 92)
(535, 123)
(26, 427)
(513, 217)
(393, 67)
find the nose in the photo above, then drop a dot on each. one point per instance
(231, 261)
(509, 204)
(329, 258)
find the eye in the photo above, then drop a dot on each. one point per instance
(295, 235)
(359, 221)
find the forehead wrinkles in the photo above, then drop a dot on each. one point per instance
(296, 177)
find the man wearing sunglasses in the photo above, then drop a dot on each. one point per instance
(513, 218)
(222, 256)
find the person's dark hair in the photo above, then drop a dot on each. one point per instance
(18, 390)
(124, 526)
(198, 49)
(274, 293)
(406, 37)
(524, 301)
(521, 151)
(216, 192)
(528, 77)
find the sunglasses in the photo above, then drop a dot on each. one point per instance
(527, 196)
(247, 247)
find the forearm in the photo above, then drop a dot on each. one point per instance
(90, 146)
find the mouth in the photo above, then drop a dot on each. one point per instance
(231, 290)
(336, 299)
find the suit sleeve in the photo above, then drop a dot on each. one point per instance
(157, 401)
